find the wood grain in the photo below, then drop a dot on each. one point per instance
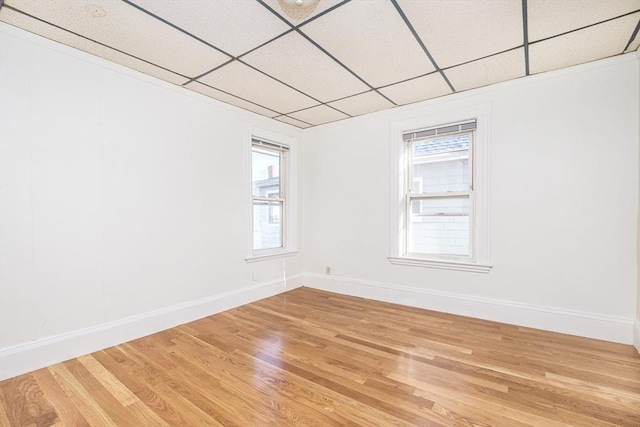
(312, 358)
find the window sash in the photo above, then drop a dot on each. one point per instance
(268, 204)
(282, 152)
(411, 225)
(410, 196)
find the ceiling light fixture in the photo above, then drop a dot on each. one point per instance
(298, 9)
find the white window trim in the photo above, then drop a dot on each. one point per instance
(290, 185)
(480, 260)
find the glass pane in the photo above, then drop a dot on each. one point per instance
(265, 173)
(439, 226)
(267, 225)
(441, 164)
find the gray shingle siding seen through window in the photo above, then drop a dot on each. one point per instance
(445, 144)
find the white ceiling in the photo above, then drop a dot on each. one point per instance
(335, 59)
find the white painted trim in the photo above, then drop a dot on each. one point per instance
(636, 335)
(27, 357)
(276, 255)
(441, 264)
(590, 325)
(481, 197)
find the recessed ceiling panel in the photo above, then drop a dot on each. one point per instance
(362, 104)
(295, 61)
(230, 99)
(245, 82)
(123, 27)
(426, 87)
(293, 122)
(551, 17)
(388, 54)
(457, 31)
(33, 25)
(494, 69)
(295, 14)
(589, 44)
(319, 115)
(235, 26)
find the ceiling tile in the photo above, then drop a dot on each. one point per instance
(548, 18)
(297, 15)
(362, 104)
(247, 83)
(235, 26)
(33, 25)
(230, 99)
(319, 115)
(426, 87)
(125, 28)
(293, 122)
(295, 61)
(589, 44)
(494, 69)
(388, 54)
(457, 31)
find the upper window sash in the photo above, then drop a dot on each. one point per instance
(463, 150)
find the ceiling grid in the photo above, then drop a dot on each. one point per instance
(328, 60)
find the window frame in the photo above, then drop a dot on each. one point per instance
(479, 198)
(288, 192)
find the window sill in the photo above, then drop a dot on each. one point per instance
(273, 255)
(446, 265)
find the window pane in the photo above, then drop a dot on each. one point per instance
(439, 226)
(267, 224)
(265, 173)
(442, 163)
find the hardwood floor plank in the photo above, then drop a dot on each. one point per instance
(25, 402)
(68, 415)
(84, 401)
(313, 358)
(108, 381)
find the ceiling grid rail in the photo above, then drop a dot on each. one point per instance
(296, 28)
(422, 45)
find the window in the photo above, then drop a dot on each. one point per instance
(268, 192)
(440, 198)
(272, 208)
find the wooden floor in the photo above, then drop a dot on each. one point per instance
(314, 358)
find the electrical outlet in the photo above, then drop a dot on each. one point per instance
(327, 270)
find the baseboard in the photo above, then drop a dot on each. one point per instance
(22, 358)
(636, 335)
(608, 328)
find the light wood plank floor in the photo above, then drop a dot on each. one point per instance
(308, 357)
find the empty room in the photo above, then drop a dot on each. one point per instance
(319, 213)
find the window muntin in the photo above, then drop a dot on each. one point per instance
(439, 209)
(268, 193)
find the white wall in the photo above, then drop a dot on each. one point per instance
(564, 185)
(123, 204)
(636, 329)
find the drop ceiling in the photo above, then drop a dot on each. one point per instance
(329, 60)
